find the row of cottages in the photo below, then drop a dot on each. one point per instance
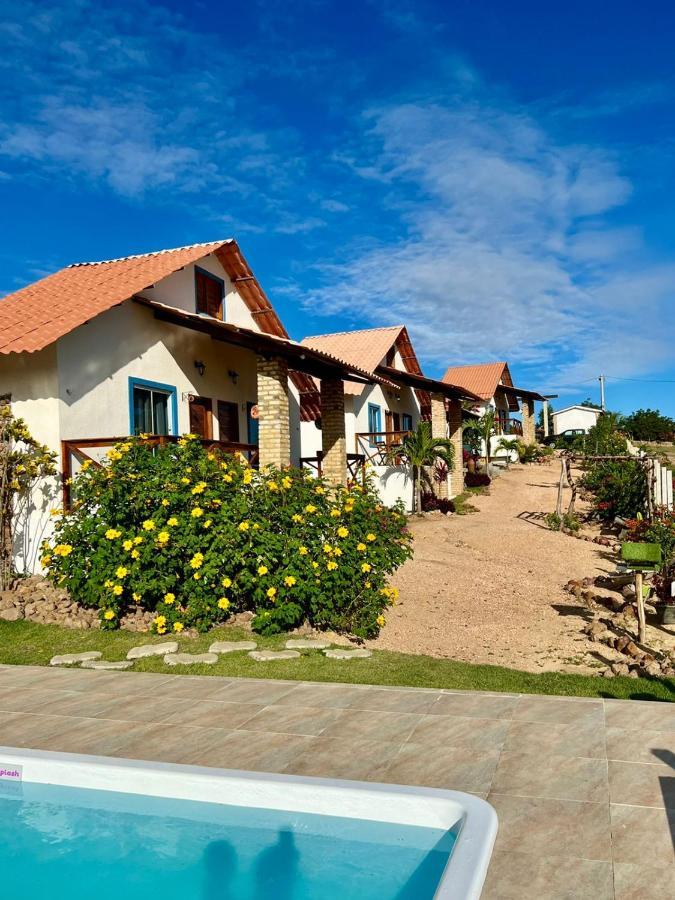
(186, 340)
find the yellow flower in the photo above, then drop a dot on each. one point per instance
(262, 570)
(223, 603)
(63, 550)
(248, 476)
(226, 582)
(297, 518)
(335, 513)
(55, 512)
(208, 523)
(161, 629)
(381, 621)
(367, 584)
(272, 486)
(327, 549)
(109, 614)
(112, 533)
(337, 551)
(319, 490)
(173, 521)
(271, 592)
(310, 508)
(366, 567)
(121, 571)
(342, 531)
(128, 545)
(243, 526)
(138, 540)
(199, 487)
(117, 590)
(361, 546)
(169, 598)
(148, 525)
(178, 626)
(197, 576)
(136, 596)
(197, 560)
(197, 512)
(45, 561)
(331, 565)
(227, 478)
(162, 537)
(315, 564)
(135, 554)
(160, 620)
(108, 583)
(165, 502)
(371, 537)
(286, 482)
(289, 580)
(302, 551)
(223, 466)
(184, 480)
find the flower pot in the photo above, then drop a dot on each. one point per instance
(667, 614)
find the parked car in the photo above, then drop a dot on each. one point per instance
(565, 438)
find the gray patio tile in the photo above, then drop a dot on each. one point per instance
(213, 714)
(143, 708)
(253, 691)
(525, 876)
(585, 739)
(260, 752)
(642, 836)
(371, 725)
(170, 743)
(73, 703)
(552, 827)
(31, 730)
(630, 745)
(392, 700)
(481, 706)
(642, 715)
(292, 719)
(198, 687)
(25, 699)
(359, 760)
(457, 731)
(99, 737)
(558, 710)
(340, 696)
(458, 769)
(641, 784)
(551, 775)
(637, 882)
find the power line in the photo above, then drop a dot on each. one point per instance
(639, 380)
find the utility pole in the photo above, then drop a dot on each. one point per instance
(601, 379)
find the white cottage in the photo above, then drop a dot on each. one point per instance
(578, 418)
(163, 343)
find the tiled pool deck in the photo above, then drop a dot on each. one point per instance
(584, 789)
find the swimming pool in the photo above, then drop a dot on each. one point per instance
(80, 826)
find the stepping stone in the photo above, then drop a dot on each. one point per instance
(190, 659)
(306, 644)
(69, 658)
(268, 655)
(152, 650)
(107, 664)
(231, 646)
(348, 654)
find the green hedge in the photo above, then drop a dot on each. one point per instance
(195, 535)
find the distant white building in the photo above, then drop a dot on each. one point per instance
(575, 417)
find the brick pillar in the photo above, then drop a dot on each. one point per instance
(333, 440)
(274, 439)
(439, 429)
(528, 421)
(455, 434)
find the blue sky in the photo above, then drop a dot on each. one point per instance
(499, 177)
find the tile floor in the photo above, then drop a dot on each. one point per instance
(584, 789)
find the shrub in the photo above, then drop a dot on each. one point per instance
(476, 479)
(431, 502)
(660, 530)
(195, 534)
(619, 488)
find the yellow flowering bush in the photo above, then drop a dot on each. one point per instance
(279, 543)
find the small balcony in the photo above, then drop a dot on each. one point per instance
(377, 446)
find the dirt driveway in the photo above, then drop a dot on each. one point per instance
(488, 587)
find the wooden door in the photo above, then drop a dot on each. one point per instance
(201, 417)
(228, 421)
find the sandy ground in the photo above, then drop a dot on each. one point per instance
(488, 587)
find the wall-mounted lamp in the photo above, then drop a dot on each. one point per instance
(200, 367)
(234, 376)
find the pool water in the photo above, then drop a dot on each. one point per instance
(59, 842)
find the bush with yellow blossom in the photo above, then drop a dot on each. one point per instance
(196, 534)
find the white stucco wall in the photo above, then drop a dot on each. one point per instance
(32, 381)
(575, 417)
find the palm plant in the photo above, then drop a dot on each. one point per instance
(420, 451)
(484, 428)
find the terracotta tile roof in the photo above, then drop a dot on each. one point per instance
(481, 379)
(365, 348)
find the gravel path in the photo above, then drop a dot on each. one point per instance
(488, 587)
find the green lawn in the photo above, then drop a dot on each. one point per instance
(27, 643)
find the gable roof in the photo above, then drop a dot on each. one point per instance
(593, 409)
(482, 379)
(41, 313)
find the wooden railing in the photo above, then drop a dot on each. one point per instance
(510, 426)
(356, 465)
(77, 449)
(377, 445)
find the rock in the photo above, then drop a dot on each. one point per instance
(69, 658)
(269, 655)
(622, 643)
(595, 631)
(653, 669)
(628, 591)
(620, 668)
(608, 673)
(190, 659)
(633, 650)
(11, 615)
(306, 644)
(152, 650)
(106, 664)
(231, 646)
(633, 673)
(348, 654)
